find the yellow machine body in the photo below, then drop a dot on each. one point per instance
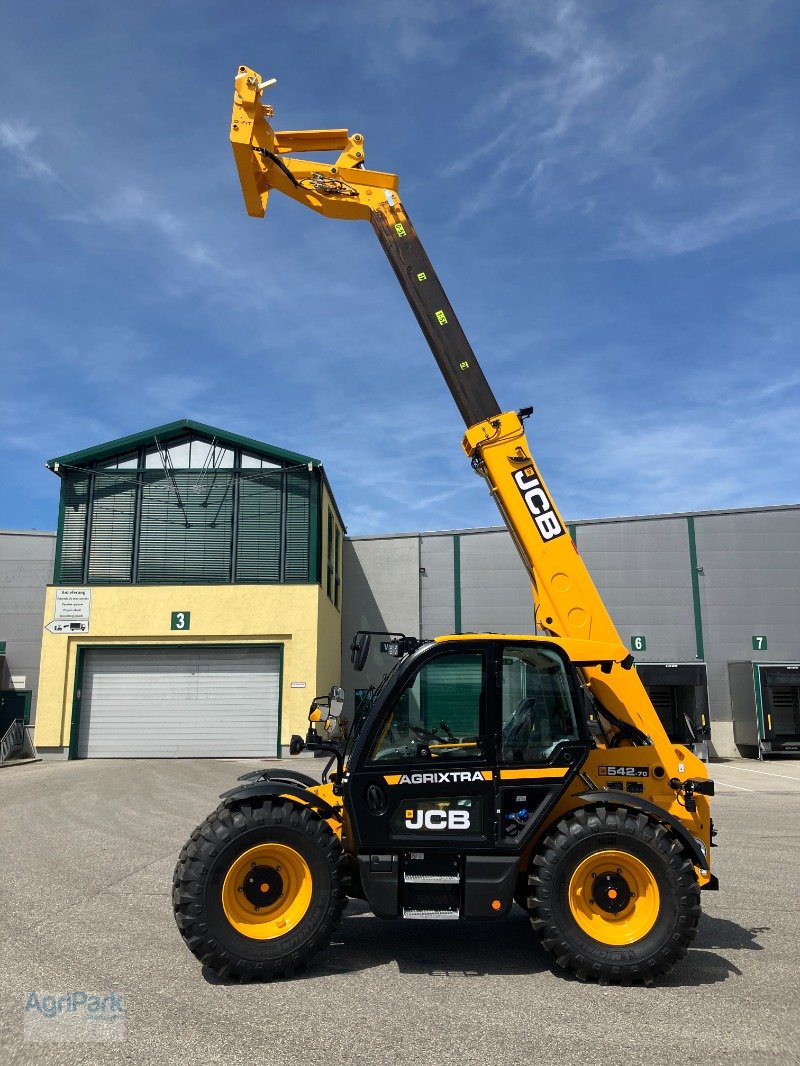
(568, 607)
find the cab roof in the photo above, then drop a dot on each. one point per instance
(581, 652)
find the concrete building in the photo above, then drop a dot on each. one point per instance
(196, 596)
(26, 565)
(687, 590)
(219, 590)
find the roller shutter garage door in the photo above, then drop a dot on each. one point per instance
(179, 703)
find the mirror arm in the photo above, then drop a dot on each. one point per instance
(314, 743)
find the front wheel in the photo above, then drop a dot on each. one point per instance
(613, 896)
(259, 888)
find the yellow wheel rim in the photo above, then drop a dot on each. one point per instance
(614, 898)
(267, 891)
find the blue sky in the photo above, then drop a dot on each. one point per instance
(608, 190)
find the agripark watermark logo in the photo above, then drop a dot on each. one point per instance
(84, 1017)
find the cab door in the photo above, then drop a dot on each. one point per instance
(421, 779)
(542, 739)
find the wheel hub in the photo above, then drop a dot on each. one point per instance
(611, 892)
(267, 891)
(263, 886)
(613, 897)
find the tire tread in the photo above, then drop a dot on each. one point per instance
(194, 866)
(579, 826)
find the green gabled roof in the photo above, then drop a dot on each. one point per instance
(172, 431)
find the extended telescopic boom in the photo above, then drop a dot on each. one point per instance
(567, 603)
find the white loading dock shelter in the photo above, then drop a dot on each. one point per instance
(201, 702)
(765, 698)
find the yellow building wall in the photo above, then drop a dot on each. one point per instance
(329, 642)
(299, 617)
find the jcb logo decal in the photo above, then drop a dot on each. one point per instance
(437, 819)
(538, 503)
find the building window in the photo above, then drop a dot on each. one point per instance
(330, 578)
(337, 566)
(334, 567)
(191, 512)
(186, 527)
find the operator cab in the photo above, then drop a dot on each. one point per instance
(461, 755)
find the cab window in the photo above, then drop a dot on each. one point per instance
(538, 712)
(440, 714)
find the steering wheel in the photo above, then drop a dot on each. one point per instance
(423, 733)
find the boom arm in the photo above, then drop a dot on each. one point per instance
(567, 601)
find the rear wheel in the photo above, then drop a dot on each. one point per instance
(613, 896)
(259, 888)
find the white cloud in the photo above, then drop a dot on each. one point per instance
(614, 116)
(648, 234)
(436, 31)
(131, 207)
(632, 124)
(18, 139)
(665, 461)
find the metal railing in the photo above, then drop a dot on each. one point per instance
(13, 740)
(17, 740)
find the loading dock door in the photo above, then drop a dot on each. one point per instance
(780, 694)
(678, 691)
(179, 703)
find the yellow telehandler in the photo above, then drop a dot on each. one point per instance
(486, 768)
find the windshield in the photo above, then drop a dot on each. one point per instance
(440, 712)
(366, 703)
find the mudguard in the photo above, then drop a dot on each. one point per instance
(627, 800)
(265, 789)
(288, 777)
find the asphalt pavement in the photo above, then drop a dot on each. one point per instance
(88, 853)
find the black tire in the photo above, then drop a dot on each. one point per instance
(213, 850)
(581, 843)
(521, 892)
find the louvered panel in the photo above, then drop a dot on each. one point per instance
(258, 556)
(186, 525)
(663, 699)
(785, 710)
(111, 543)
(180, 703)
(298, 527)
(75, 489)
(186, 528)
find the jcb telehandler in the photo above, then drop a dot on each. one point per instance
(486, 768)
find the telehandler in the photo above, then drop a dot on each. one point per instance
(486, 768)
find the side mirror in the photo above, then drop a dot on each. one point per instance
(320, 709)
(325, 708)
(336, 702)
(359, 650)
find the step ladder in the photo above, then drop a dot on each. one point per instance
(431, 886)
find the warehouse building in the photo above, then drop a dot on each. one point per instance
(26, 566)
(202, 593)
(691, 594)
(196, 597)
